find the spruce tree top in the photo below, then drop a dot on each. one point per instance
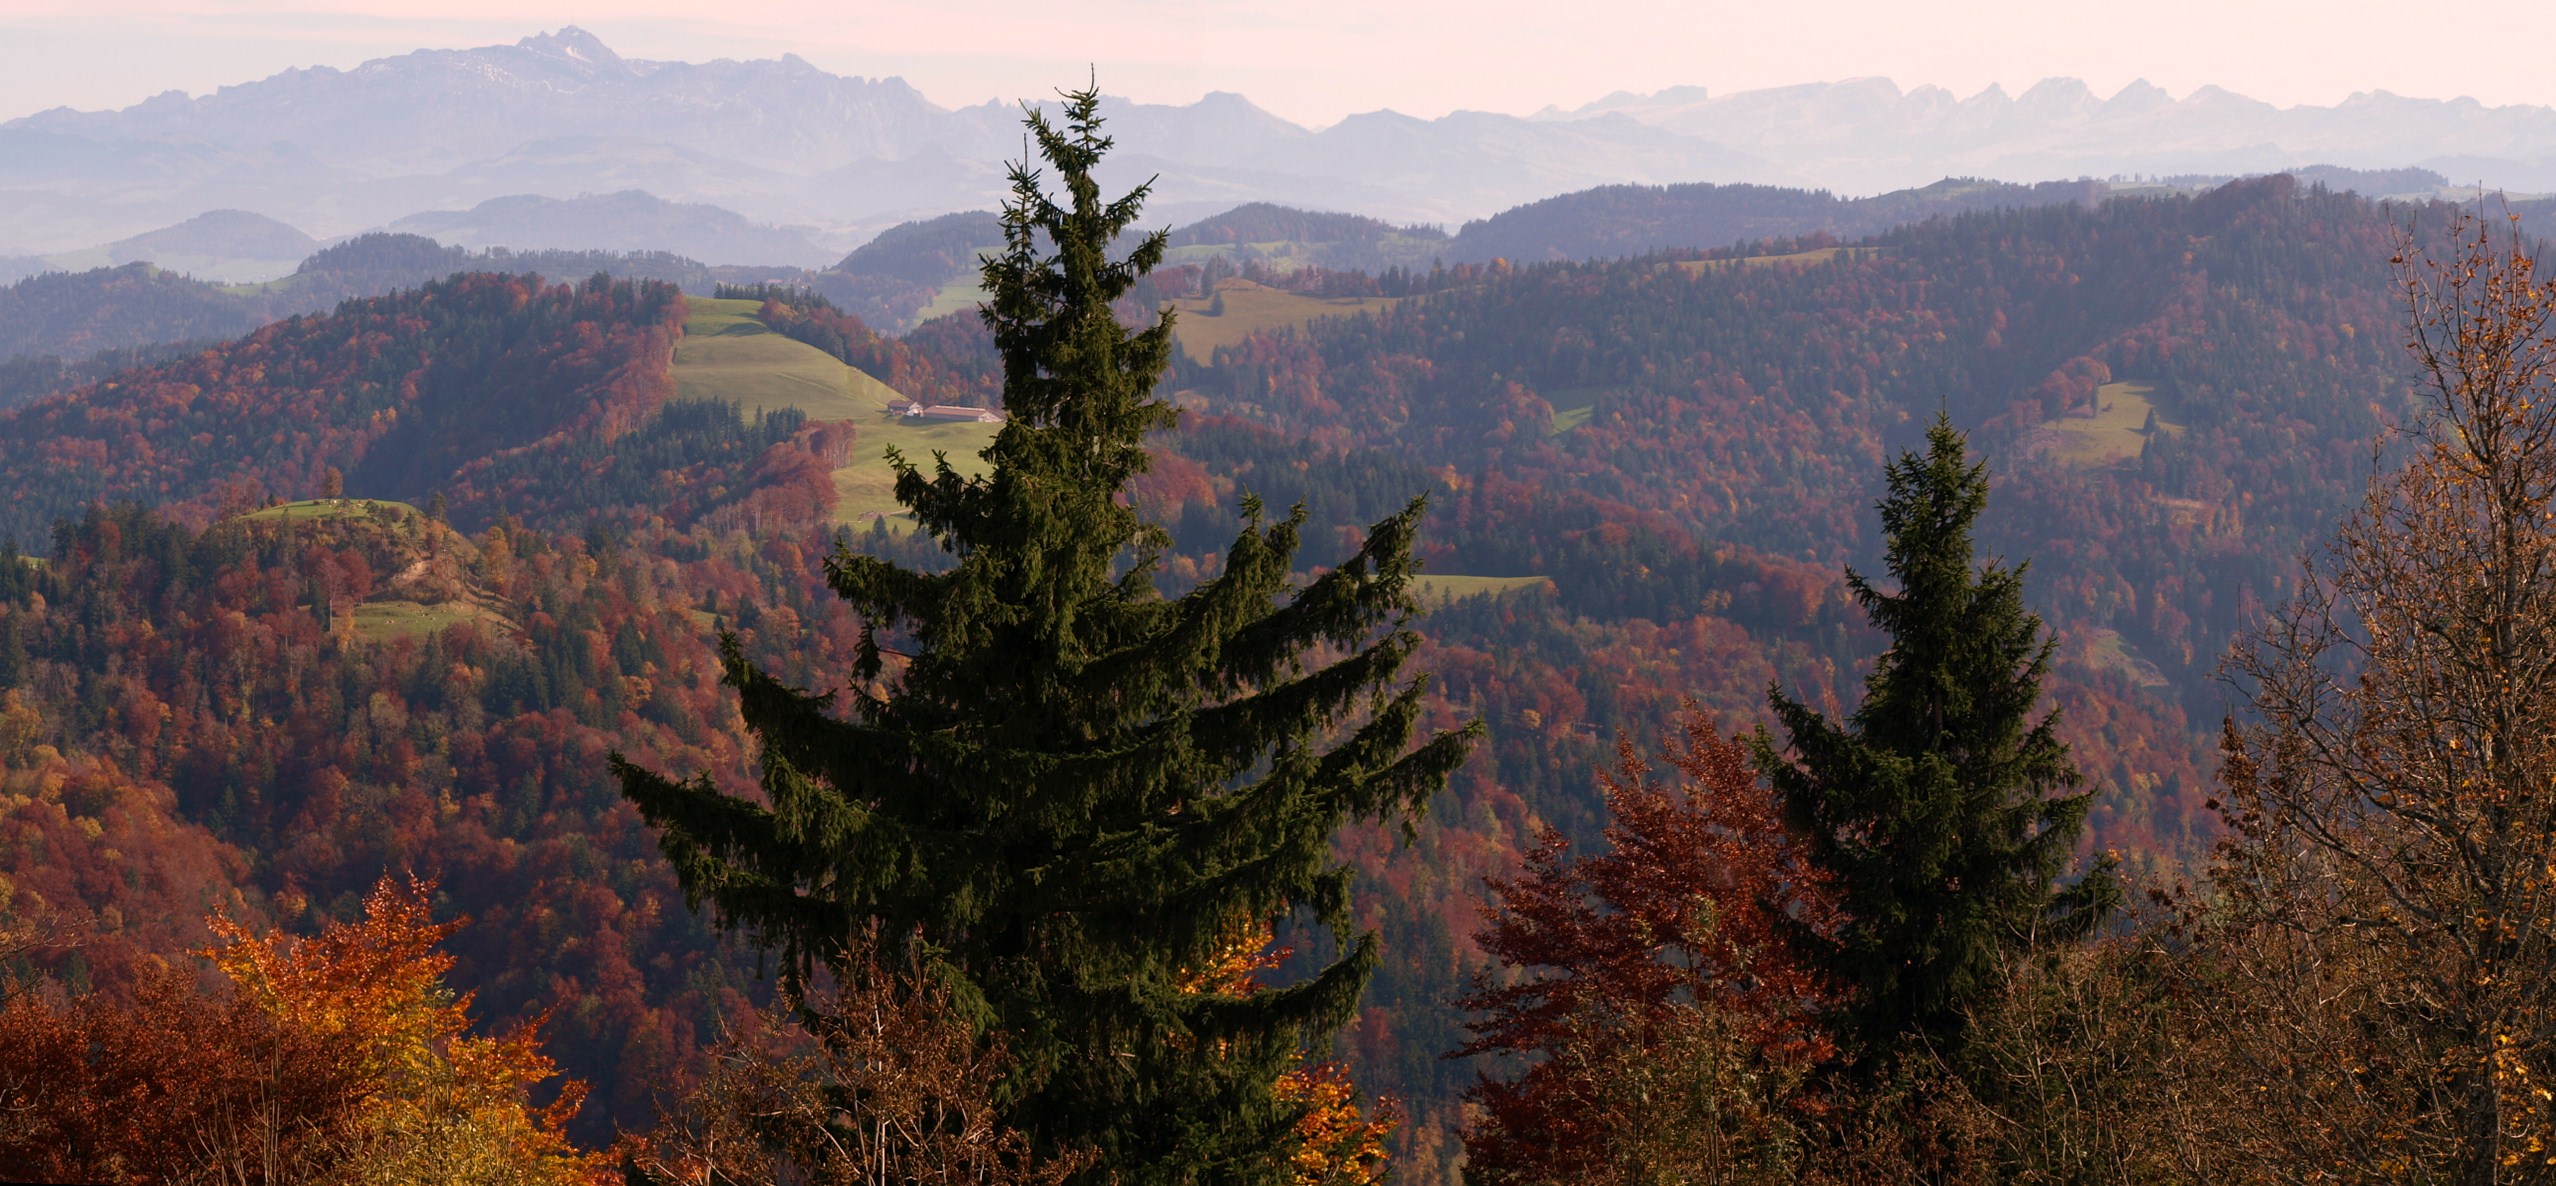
(1069, 790)
(1946, 812)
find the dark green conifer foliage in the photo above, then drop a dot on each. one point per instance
(1944, 810)
(1068, 788)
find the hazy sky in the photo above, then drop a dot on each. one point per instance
(1316, 60)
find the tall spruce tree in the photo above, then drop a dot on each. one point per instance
(1069, 790)
(1945, 812)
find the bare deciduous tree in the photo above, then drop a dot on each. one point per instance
(877, 1082)
(2394, 805)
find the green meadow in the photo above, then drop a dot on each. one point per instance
(2116, 433)
(727, 353)
(1440, 588)
(311, 510)
(383, 621)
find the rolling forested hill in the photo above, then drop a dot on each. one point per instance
(2177, 396)
(1645, 477)
(401, 392)
(52, 322)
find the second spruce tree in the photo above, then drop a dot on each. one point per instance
(1944, 810)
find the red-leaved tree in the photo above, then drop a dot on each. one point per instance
(1654, 996)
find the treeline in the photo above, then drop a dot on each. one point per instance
(28, 377)
(887, 280)
(695, 461)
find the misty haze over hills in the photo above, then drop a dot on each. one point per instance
(557, 141)
(627, 221)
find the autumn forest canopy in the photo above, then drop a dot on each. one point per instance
(2046, 693)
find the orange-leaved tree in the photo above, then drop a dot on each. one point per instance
(340, 1057)
(445, 1105)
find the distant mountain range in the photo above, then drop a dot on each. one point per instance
(800, 162)
(561, 115)
(1865, 134)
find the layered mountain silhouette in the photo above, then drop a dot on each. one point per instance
(561, 115)
(782, 143)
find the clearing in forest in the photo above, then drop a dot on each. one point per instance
(2103, 649)
(422, 582)
(1816, 255)
(382, 621)
(1573, 406)
(1438, 589)
(1251, 308)
(961, 295)
(2117, 432)
(311, 510)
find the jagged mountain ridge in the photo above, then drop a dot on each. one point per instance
(492, 100)
(561, 114)
(1867, 134)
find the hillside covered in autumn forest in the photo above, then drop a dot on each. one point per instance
(377, 589)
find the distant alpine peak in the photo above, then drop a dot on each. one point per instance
(574, 44)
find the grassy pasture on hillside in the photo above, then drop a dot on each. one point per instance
(727, 354)
(1278, 256)
(1820, 255)
(389, 618)
(2103, 649)
(960, 295)
(867, 487)
(1440, 588)
(311, 510)
(1282, 255)
(2115, 435)
(1573, 406)
(1252, 308)
(382, 621)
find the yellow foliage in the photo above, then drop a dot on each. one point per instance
(446, 1106)
(1337, 1142)
(1340, 1145)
